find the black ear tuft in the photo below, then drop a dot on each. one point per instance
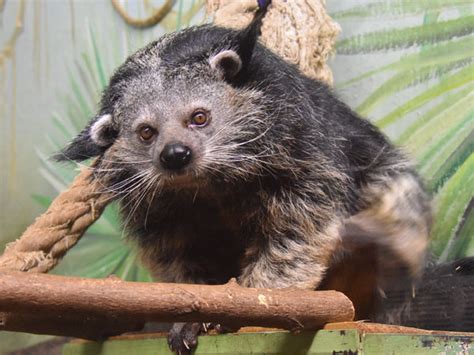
(91, 142)
(247, 37)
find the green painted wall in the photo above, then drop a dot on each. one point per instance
(408, 66)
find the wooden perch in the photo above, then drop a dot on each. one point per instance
(80, 307)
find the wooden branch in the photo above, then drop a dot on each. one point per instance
(85, 301)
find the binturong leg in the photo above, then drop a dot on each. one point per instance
(386, 245)
(296, 245)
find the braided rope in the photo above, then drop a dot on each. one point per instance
(57, 230)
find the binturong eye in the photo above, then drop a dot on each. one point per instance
(199, 118)
(147, 133)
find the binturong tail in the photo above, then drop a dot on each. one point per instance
(442, 300)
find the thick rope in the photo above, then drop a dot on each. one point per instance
(57, 230)
(298, 30)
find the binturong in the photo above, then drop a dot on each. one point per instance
(227, 162)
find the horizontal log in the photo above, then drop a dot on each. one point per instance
(56, 297)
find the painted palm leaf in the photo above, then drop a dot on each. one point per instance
(397, 8)
(431, 81)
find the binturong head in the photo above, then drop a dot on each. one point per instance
(180, 108)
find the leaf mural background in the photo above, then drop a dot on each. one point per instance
(406, 65)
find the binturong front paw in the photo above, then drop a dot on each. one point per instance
(182, 338)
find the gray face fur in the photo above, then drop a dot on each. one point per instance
(165, 101)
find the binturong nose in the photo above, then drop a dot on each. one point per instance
(175, 156)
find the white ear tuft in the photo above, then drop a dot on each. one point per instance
(100, 130)
(227, 62)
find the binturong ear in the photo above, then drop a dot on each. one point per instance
(93, 141)
(227, 63)
(230, 62)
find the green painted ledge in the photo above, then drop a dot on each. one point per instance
(347, 342)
